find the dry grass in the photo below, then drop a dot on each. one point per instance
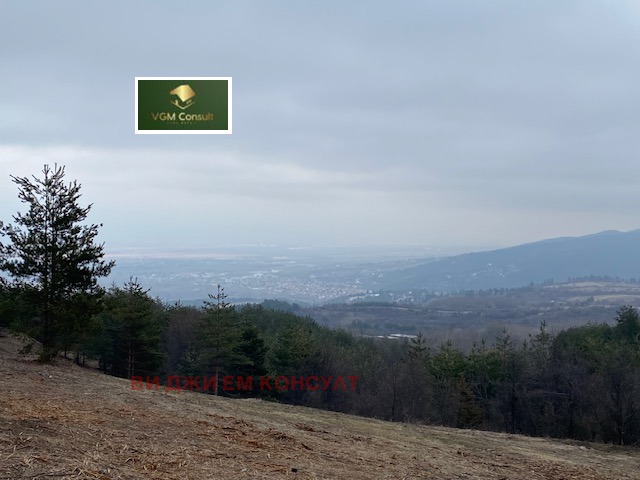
(65, 422)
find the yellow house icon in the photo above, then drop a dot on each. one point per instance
(185, 96)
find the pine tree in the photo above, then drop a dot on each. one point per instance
(294, 345)
(220, 339)
(53, 259)
(419, 349)
(253, 349)
(131, 329)
(628, 323)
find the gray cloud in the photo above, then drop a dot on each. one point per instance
(366, 122)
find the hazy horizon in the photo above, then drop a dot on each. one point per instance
(369, 252)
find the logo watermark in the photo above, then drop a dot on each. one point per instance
(185, 96)
(162, 104)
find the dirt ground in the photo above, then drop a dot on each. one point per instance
(65, 422)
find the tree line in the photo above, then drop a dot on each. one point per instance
(581, 383)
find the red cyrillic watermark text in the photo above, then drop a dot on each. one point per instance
(239, 383)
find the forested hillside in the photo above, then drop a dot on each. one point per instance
(64, 421)
(582, 383)
(610, 253)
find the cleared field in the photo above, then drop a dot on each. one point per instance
(62, 421)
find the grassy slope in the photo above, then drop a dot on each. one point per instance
(63, 421)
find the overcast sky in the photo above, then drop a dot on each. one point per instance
(436, 123)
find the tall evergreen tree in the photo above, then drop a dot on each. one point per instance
(131, 329)
(220, 339)
(628, 324)
(419, 349)
(53, 258)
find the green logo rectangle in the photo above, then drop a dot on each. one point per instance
(183, 105)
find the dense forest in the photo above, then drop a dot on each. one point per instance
(583, 383)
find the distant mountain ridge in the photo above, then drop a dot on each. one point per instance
(609, 253)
